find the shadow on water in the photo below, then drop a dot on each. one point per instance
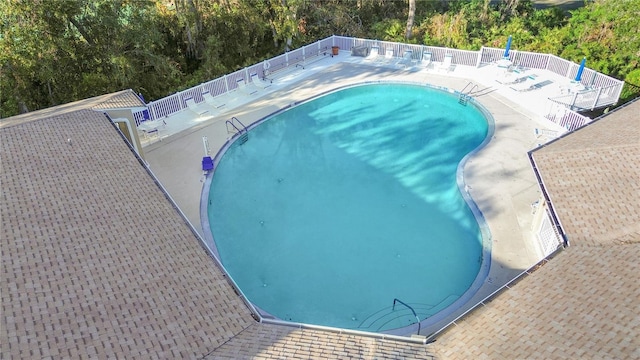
(271, 213)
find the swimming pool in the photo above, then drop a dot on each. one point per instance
(339, 205)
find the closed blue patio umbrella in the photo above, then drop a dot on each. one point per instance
(506, 50)
(581, 69)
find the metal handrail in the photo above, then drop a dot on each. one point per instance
(231, 122)
(465, 87)
(464, 97)
(410, 308)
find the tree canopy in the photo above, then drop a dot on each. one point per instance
(57, 51)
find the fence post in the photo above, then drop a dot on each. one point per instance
(619, 91)
(569, 71)
(153, 111)
(479, 59)
(226, 84)
(595, 101)
(180, 100)
(573, 101)
(548, 61)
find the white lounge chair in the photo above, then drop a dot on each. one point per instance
(533, 87)
(152, 127)
(447, 63)
(388, 56)
(247, 89)
(426, 59)
(213, 101)
(546, 132)
(373, 54)
(191, 105)
(255, 80)
(407, 59)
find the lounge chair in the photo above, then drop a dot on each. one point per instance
(426, 59)
(373, 54)
(514, 81)
(447, 63)
(247, 89)
(152, 127)
(535, 86)
(191, 105)
(545, 132)
(213, 101)
(255, 80)
(388, 56)
(407, 59)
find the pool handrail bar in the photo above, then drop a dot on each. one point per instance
(463, 97)
(243, 136)
(231, 122)
(410, 308)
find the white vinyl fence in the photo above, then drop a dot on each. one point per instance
(603, 90)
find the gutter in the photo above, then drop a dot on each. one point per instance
(551, 209)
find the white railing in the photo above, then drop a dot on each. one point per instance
(464, 57)
(547, 237)
(531, 60)
(491, 55)
(606, 89)
(141, 116)
(559, 66)
(590, 98)
(566, 118)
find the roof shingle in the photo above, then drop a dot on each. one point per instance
(95, 260)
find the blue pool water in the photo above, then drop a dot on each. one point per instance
(337, 206)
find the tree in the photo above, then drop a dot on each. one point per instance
(606, 32)
(410, 19)
(55, 52)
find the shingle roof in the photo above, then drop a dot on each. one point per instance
(584, 302)
(118, 100)
(265, 341)
(97, 262)
(593, 179)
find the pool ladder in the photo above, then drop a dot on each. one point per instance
(464, 97)
(232, 128)
(390, 317)
(410, 308)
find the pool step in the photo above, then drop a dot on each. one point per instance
(388, 318)
(244, 137)
(465, 95)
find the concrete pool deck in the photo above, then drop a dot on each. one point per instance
(499, 177)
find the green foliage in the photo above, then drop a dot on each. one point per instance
(390, 30)
(606, 32)
(57, 51)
